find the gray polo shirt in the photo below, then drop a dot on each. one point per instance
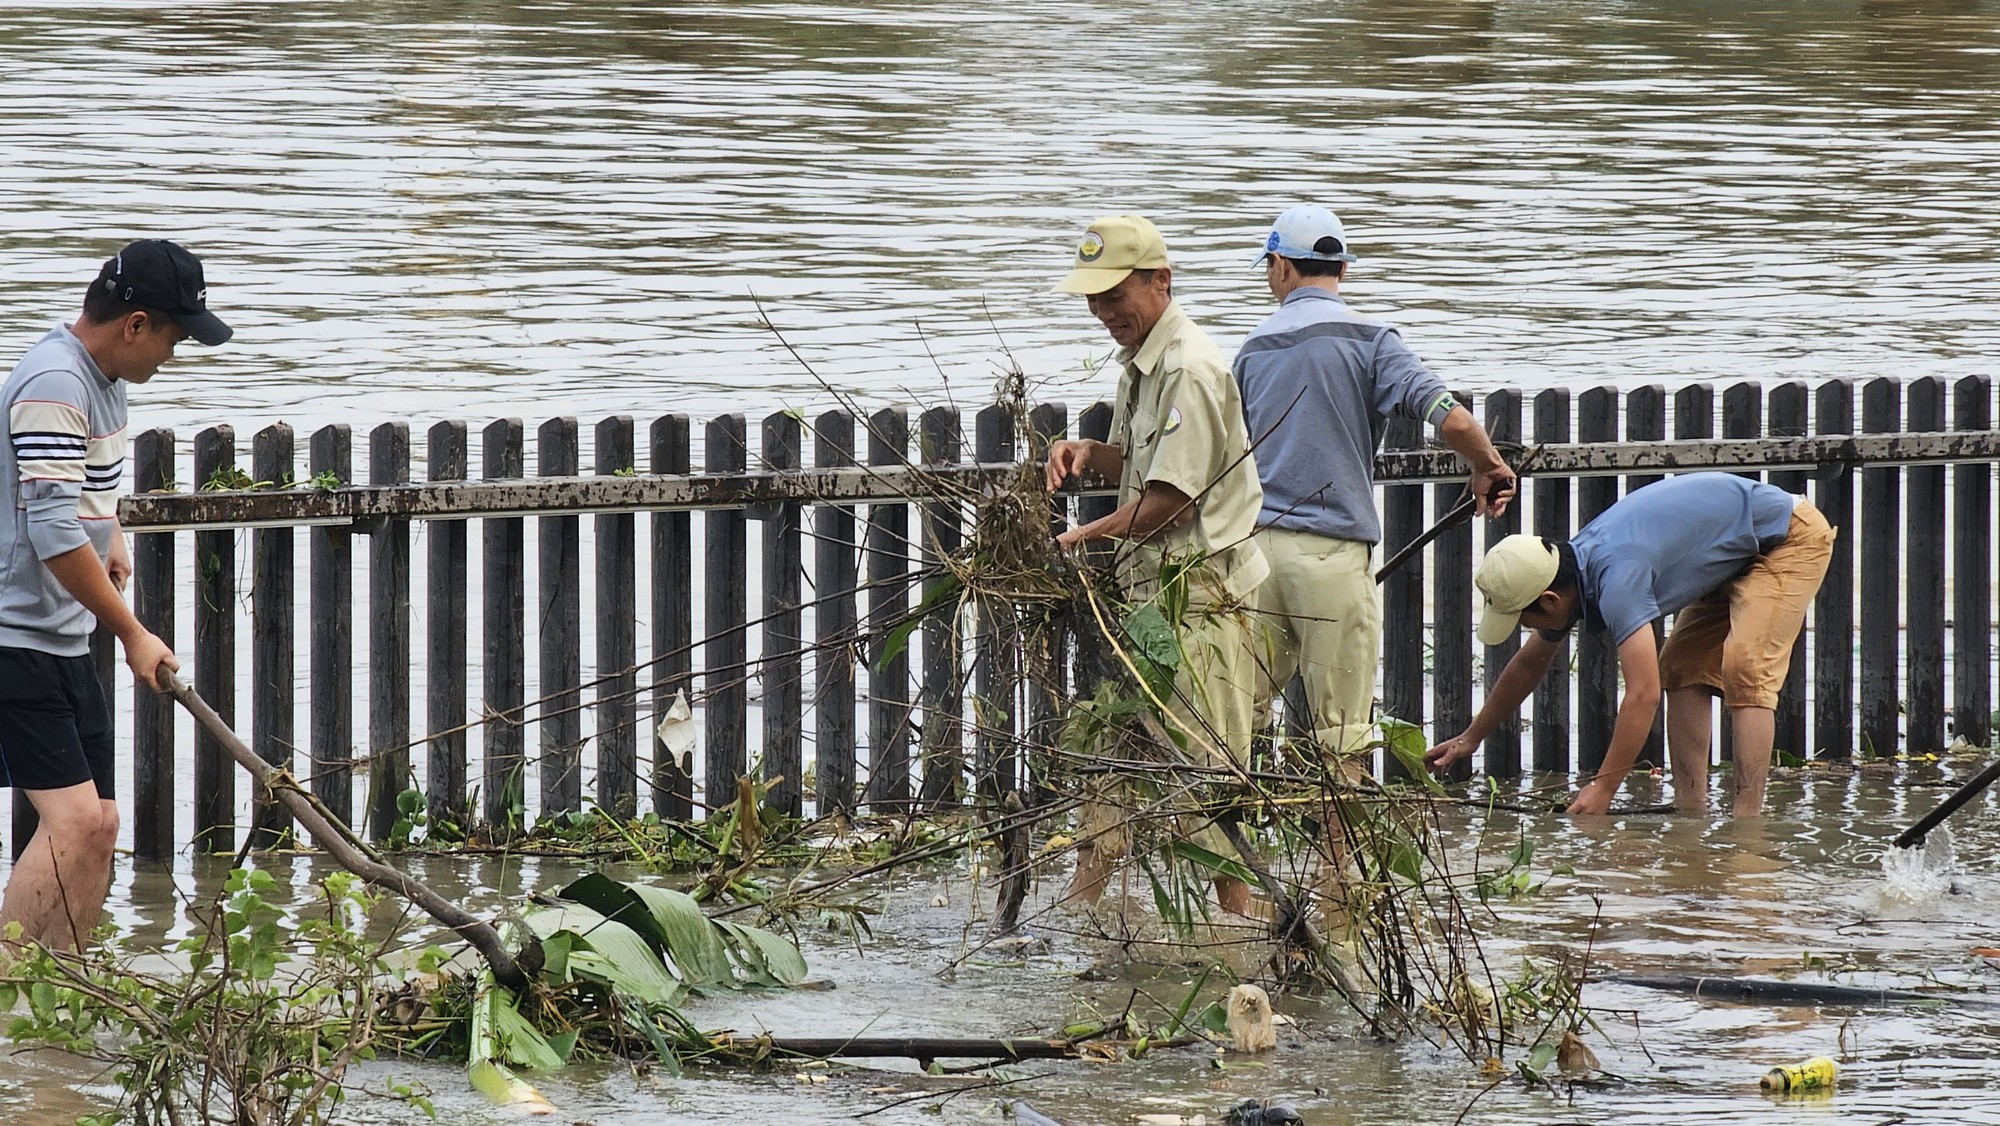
(60, 472)
(1672, 542)
(1319, 385)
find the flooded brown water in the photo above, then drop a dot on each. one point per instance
(470, 208)
(1799, 894)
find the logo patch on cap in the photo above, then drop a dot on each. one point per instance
(1271, 243)
(1091, 248)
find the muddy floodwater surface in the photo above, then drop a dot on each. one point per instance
(1800, 894)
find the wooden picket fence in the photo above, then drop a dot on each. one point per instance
(670, 613)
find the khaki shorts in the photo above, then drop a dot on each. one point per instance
(1737, 640)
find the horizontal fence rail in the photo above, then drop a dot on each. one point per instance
(738, 603)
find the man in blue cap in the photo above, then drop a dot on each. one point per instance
(65, 566)
(1319, 384)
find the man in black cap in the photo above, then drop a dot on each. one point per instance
(63, 566)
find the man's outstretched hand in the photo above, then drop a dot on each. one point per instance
(1440, 757)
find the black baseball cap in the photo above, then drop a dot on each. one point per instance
(163, 275)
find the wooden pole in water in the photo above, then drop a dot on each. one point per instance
(1914, 835)
(340, 842)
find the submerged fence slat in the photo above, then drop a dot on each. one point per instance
(943, 697)
(273, 607)
(446, 581)
(994, 713)
(888, 606)
(1881, 508)
(1451, 637)
(1552, 521)
(1646, 421)
(559, 618)
(1788, 418)
(835, 571)
(153, 791)
(1833, 609)
(672, 538)
(1972, 571)
(1044, 663)
(615, 543)
(1923, 581)
(332, 696)
(1503, 747)
(784, 626)
(725, 650)
(388, 638)
(502, 558)
(1402, 597)
(1596, 657)
(1742, 417)
(215, 649)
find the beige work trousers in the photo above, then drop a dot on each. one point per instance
(1212, 708)
(1321, 618)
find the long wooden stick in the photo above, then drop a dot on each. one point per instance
(1915, 834)
(340, 842)
(1459, 513)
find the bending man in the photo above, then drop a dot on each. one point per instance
(1738, 561)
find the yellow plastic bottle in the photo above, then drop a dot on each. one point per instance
(1816, 1074)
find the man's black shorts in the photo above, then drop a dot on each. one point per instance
(55, 729)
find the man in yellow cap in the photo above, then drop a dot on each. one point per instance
(1737, 561)
(1188, 499)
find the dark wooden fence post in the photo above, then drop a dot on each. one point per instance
(1694, 418)
(1833, 610)
(1596, 655)
(943, 697)
(835, 570)
(1451, 633)
(331, 463)
(153, 790)
(1923, 580)
(993, 707)
(1788, 419)
(388, 637)
(1091, 652)
(783, 659)
(273, 603)
(725, 652)
(1646, 421)
(672, 780)
(1402, 598)
(1552, 521)
(1043, 665)
(1503, 747)
(503, 560)
(888, 606)
(445, 628)
(215, 650)
(559, 622)
(1972, 571)
(1742, 417)
(614, 540)
(1881, 562)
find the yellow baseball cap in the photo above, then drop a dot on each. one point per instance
(1111, 249)
(1514, 573)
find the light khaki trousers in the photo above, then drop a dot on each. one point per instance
(1321, 617)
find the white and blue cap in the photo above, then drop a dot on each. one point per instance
(1307, 231)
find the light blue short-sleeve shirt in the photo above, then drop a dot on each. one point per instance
(1673, 542)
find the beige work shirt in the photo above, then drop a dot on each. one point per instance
(1179, 421)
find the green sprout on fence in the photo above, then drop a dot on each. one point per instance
(229, 478)
(325, 481)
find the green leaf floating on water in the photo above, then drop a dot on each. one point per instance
(704, 953)
(1407, 742)
(608, 953)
